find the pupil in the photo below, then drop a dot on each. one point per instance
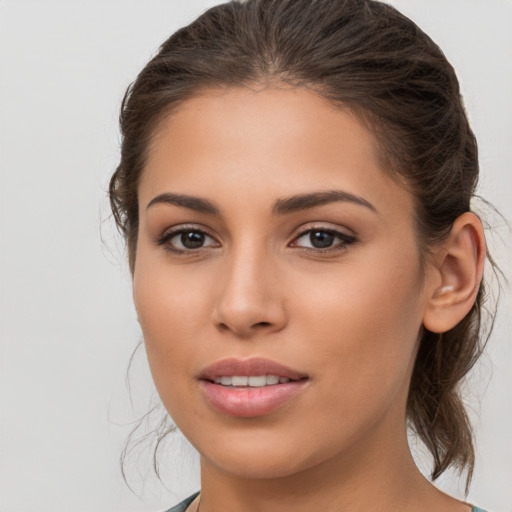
(192, 239)
(321, 239)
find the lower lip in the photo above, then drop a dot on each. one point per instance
(249, 402)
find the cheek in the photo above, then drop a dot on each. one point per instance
(166, 307)
(171, 300)
(363, 325)
(171, 305)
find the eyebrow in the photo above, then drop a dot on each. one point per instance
(281, 206)
(312, 200)
(192, 203)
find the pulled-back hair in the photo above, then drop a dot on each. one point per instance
(366, 57)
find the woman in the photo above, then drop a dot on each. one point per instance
(294, 188)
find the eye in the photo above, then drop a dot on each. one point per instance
(186, 240)
(319, 239)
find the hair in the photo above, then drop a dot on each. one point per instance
(364, 56)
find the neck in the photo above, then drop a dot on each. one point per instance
(375, 475)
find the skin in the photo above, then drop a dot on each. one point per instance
(349, 317)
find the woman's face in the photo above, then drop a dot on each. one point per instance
(272, 245)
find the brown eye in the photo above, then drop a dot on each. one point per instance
(184, 240)
(192, 239)
(323, 239)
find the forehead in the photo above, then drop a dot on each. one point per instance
(272, 142)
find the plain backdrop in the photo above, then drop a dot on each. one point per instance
(67, 324)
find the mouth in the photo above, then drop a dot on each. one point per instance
(253, 381)
(250, 387)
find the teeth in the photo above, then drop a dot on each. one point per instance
(239, 381)
(257, 382)
(254, 381)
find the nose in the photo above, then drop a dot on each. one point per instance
(249, 298)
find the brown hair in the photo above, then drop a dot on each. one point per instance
(365, 56)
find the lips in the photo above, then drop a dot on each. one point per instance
(249, 367)
(250, 387)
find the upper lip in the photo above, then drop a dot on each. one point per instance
(249, 367)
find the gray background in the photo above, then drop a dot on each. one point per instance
(67, 324)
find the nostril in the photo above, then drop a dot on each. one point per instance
(262, 324)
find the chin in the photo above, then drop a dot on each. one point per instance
(262, 465)
(262, 455)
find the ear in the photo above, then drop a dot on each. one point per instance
(457, 273)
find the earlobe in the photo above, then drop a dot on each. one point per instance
(458, 270)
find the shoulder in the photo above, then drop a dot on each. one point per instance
(181, 507)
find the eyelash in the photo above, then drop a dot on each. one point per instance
(165, 239)
(346, 240)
